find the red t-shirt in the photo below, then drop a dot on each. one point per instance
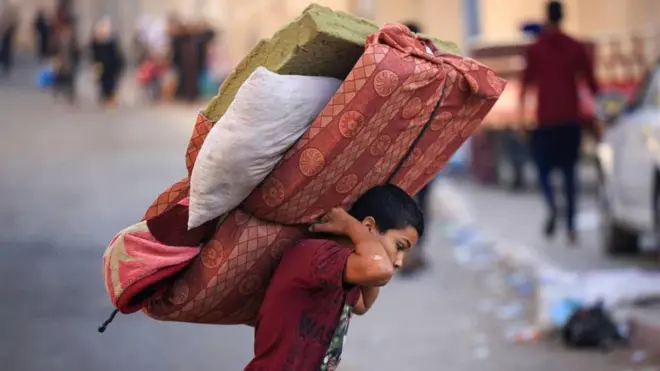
(304, 317)
(555, 64)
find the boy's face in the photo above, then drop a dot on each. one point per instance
(397, 242)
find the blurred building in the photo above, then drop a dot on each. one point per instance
(124, 13)
(461, 21)
(244, 22)
(500, 19)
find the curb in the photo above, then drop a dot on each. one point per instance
(645, 333)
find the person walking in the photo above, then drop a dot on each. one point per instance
(203, 37)
(8, 25)
(555, 64)
(185, 60)
(108, 61)
(65, 63)
(43, 31)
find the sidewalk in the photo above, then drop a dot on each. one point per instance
(520, 232)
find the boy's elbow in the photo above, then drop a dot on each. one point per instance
(359, 310)
(363, 271)
(378, 274)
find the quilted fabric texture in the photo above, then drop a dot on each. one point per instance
(226, 283)
(378, 127)
(398, 117)
(168, 198)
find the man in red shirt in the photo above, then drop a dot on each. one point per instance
(555, 64)
(321, 282)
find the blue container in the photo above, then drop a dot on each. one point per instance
(45, 77)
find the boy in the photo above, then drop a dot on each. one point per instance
(321, 282)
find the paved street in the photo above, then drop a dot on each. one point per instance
(71, 178)
(525, 213)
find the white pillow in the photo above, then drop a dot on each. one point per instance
(268, 115)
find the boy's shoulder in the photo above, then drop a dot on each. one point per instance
(315, 248)
(320, 254)
(320, 243)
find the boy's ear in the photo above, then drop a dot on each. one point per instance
(370, 223)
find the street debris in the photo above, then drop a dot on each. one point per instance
(523, 334)
(592, 327)
(639, 356)
(523, 284)
(511, 311)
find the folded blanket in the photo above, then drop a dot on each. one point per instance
(140, 259)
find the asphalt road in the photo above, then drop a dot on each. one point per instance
(72, 177)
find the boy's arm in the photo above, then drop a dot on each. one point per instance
(368, 296)
(368, 265)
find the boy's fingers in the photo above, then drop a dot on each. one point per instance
(321, 227)
(315, 227)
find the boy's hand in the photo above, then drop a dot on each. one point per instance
(337, 221)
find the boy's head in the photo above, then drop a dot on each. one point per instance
(392, 214)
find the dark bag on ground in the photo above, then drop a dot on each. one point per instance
(591, 327)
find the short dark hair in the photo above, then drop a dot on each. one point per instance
(413, 26)
(391, 208)
(555, 12)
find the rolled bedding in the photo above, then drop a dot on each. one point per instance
(404, 106)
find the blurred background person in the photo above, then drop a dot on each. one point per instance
(63, 18)
(140, 38)
(188, 69)
(150, 75)
(203, 36)
(8, 25)
(152, 43)
(108, 61)
(150, 37)
(65, 63)
(43, 32)
(177, 33)
(555, 62)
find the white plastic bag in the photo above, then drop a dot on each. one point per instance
(268, 115)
